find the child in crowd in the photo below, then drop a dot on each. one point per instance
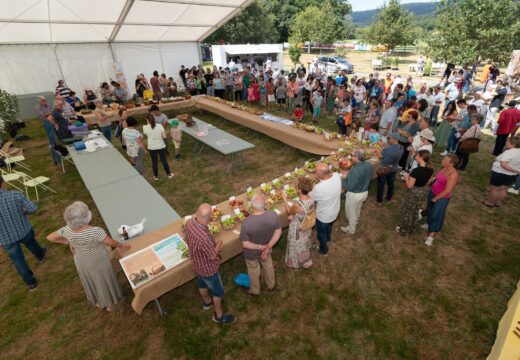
(176, 133)
(298, 114)
(281, 92)
(317, 100)
(269, 88)
(262, 90)
(373, 135)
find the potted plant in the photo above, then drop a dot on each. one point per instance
(395, 63)
(9, 113)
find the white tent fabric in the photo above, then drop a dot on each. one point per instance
(72, 21)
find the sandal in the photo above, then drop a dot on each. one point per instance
(488, 205)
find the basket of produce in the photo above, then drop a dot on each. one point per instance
(216, 214)
(214, 227)
(310, 128)
(277, 183)
(310, 166)
(266, 188)
(228, 223)
(290, 191)
(86, 111)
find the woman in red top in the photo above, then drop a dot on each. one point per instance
(440, 195)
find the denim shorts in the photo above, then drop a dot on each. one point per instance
(213, 283)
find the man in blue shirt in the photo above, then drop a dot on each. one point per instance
(389, 159)
(15, 229)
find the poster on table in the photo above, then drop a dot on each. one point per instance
(154, 260)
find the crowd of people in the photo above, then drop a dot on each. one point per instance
(380, 109)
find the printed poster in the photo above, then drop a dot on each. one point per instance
(154, 260)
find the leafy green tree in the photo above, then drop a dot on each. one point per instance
(469, 30)
(320, 24)
(254, 25)
(393, 27)
(295, 52)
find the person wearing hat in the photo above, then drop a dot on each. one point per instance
(425, 141)
(389, 160)
(507, 125)
(159, 117)
(176, 133)
(356, 182)
(472, 133)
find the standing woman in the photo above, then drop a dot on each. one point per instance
(299, 241)
(443, 130)
(191, 84)
(416, 192)
(123, 115)
(506, 169)
(140, 86)
(230, 83)
(472, 133)
(156, 146)
(331, 96)
(104, 120)
(440, 195)
(373, 115)
(359, 94)
(218, 85)
(88, 245)
(106, 93)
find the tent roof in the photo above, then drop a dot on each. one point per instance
(73, 21)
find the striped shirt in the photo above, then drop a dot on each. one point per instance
(14, 225)
(63, 90)
(204, 260)
(86, 242)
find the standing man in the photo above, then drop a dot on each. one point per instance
(182, 74)
(327, 194)
(205, 260)
(292, 93)
(155, 83)
(208, 76)
(452, 93)
(388, 117)
(43, 109)
(159, 117)
(389, 158)
(259, 233)
(62, 89)
(507, 125)
(438, 99)
(356, 183)
(60, 122)
(15, 229)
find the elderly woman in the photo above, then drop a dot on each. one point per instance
(88, 244)
(440, 195)
(192, 84)
(505, 170)
(414, 197)
(104, 119)
(299, 241)
(472, 133)
(407, 131)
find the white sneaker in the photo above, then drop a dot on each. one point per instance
(345, 229)
(514, 191)
(419, 215)
(424, 226)
(156, 178)
(170, 176)
(444, 153)
(429, 241)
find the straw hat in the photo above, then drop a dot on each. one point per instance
(427, 134)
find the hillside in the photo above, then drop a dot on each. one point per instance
(364, 18)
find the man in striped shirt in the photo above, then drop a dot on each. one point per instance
(62, 89)
(205, 260)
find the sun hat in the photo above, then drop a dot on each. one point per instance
(427, 134)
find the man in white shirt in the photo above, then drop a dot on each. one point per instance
(452, 93)
(438, 99)
(388, 117)
(327, 194)
(397, 80)
(479, 103)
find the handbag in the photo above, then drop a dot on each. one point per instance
(348, 118)
(469, 146)
(383, 171)
(309, 220)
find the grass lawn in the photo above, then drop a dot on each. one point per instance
(378, 296)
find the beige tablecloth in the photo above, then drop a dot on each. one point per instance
(91, 118)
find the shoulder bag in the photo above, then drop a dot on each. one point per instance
(309, 220)
(469, 146)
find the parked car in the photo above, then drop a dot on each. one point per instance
(335, 63)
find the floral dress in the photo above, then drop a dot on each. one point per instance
(299, 241)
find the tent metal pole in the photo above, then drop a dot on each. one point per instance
(200, 53)
(114, 59)
(54, 46)
(121, 19)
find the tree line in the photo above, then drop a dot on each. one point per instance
(462, 31)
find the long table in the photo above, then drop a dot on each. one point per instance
(306, 141)
(122, 196)
(217, 139)
(183, 273)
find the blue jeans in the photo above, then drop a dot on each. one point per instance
(434, 115)
(340, 120)
(51, 136)
(107, 132)
(517, 183)
(15, 252)
(436, 213)
(209, 91)
(323, 231)
(213, 283)
(452, 141)
(389, 180)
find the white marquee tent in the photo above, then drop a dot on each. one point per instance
(42, 41)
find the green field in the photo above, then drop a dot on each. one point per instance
(377, 296)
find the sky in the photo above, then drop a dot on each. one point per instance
(360, 5)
